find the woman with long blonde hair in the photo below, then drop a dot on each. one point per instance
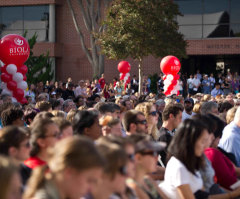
(149, 111)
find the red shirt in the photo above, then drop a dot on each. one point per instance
(225, 173)
(102, 82)
(34, 162)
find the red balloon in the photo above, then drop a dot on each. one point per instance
(170, 65)
(12, 85)
(24, 101)
(176, 77)
(124, 67)
(5, 77)
(122, 76)
(24, 78)
(174, 82)
(14, 49)
(18, 94)
(23, 69)
(3, 69)
(164, 77)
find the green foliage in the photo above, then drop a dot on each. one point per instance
(138, 28)
(153, 86)
(39, 68)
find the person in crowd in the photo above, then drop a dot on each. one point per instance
(12, 116)
(151, 115)
(230, 140)
(29, 115)
(146, 152)
(43, 106)
(68, 105)
(58, 113)
(79, 101)
(217, 90)
(127, 104)
(44, 135)
(10, 181)
(172, 117)
(118, 90)
(31, 92)
(190, 85)
(209, 107)
(71, 172)
(197, 108)
(14, 143)
(206, 85)
(182, 176)
(57, 104)
(160, 105)
(235, 85)
(115, 172)
(196, 84)
(87, 123)
(134, 84)
(188, 109)
(134, 122)
(80, 90)
(223, 109)
(71, 114)
(110, 126)
(65, 127)
(230, 114)
(109, 108)
(102, 81)
(68, 93)
(212, 81)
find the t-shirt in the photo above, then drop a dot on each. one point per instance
(177, 174)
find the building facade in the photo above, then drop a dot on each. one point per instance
(211, 28)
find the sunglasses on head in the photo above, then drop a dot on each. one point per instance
(154, 113)
(141, 122)
(152, 153)
(123, 170)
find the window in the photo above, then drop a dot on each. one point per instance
(18, 19)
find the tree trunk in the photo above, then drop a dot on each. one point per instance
(140, 76)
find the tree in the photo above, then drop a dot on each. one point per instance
(91, 11)
(39, 68)
(138, 28)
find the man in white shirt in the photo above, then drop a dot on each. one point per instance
(190, 84)
(188, 108)
(196, 84)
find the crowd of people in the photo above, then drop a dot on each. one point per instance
(97, 140)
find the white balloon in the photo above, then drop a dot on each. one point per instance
(167, 82)
(18, 77)
(6, 92)
(165, 87)
(23, 85)
(174, 92)
(11, 69)
(170, 77)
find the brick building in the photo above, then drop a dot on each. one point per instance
(211, 27)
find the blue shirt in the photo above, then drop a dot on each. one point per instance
(216, 92)
(230, 140)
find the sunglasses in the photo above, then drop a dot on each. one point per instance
(131, 157)
(141, 122)
(152, 153)
(123, 170)
(154, 113)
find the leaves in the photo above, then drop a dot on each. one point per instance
(138, 28)
(39, 68)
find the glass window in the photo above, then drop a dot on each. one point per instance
(191, 32)
(18, 19)
(12, 18)
(213, 10)
(235, 30)
(235, 11)
(218, 30)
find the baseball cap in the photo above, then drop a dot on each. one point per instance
(189, 100)
(149, 145)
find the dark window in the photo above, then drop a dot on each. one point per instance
(235, 11)
(18, 19)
